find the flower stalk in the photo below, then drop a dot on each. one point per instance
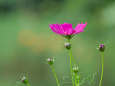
(71, 67)
(55, 75)
(101, 49)
(71, 53)
(78, 82)
(76, 79)
(71, 58)
(50, 61)
(102, 69)
(71, 63)
(28, 84)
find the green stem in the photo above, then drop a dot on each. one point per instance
(71, 53)
(28, 84)
(68, 40)
(78, 82)
(72, 57)
(71, 67)
(55, 76)
(71, 63)
(102, 69)
(76, 79)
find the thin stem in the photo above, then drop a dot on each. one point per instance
(102, 69)
(72, 57)
(76, 79)
(71, 67)
(78, 82)
(68, 40)
(71, 63)
(71, 53)
(28, 84)
(55, 76)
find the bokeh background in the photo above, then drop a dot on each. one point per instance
(26, 40)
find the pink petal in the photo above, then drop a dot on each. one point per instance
(70, 25)
(70, 31)
(66, 27)
(60, 29)
(54, 29)
(79, 28)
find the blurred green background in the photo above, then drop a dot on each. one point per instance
(26, 40)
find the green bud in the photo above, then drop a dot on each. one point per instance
(50, 61)
(24, 80)
(75, 69)
(101, 47)
(67, 46)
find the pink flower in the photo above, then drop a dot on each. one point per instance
(66, 29)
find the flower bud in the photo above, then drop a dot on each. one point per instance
(24, 80)
(101, 47)
(67, 46)
(50, 61)
(75, 69)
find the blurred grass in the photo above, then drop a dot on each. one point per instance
(26, 40)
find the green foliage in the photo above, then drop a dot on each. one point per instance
(89, 79)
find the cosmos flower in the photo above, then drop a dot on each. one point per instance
(66, 29)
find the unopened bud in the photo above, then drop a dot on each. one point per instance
(24, 80)
(75, 69)
(50, 61)
(101, 47)
(67, 46)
